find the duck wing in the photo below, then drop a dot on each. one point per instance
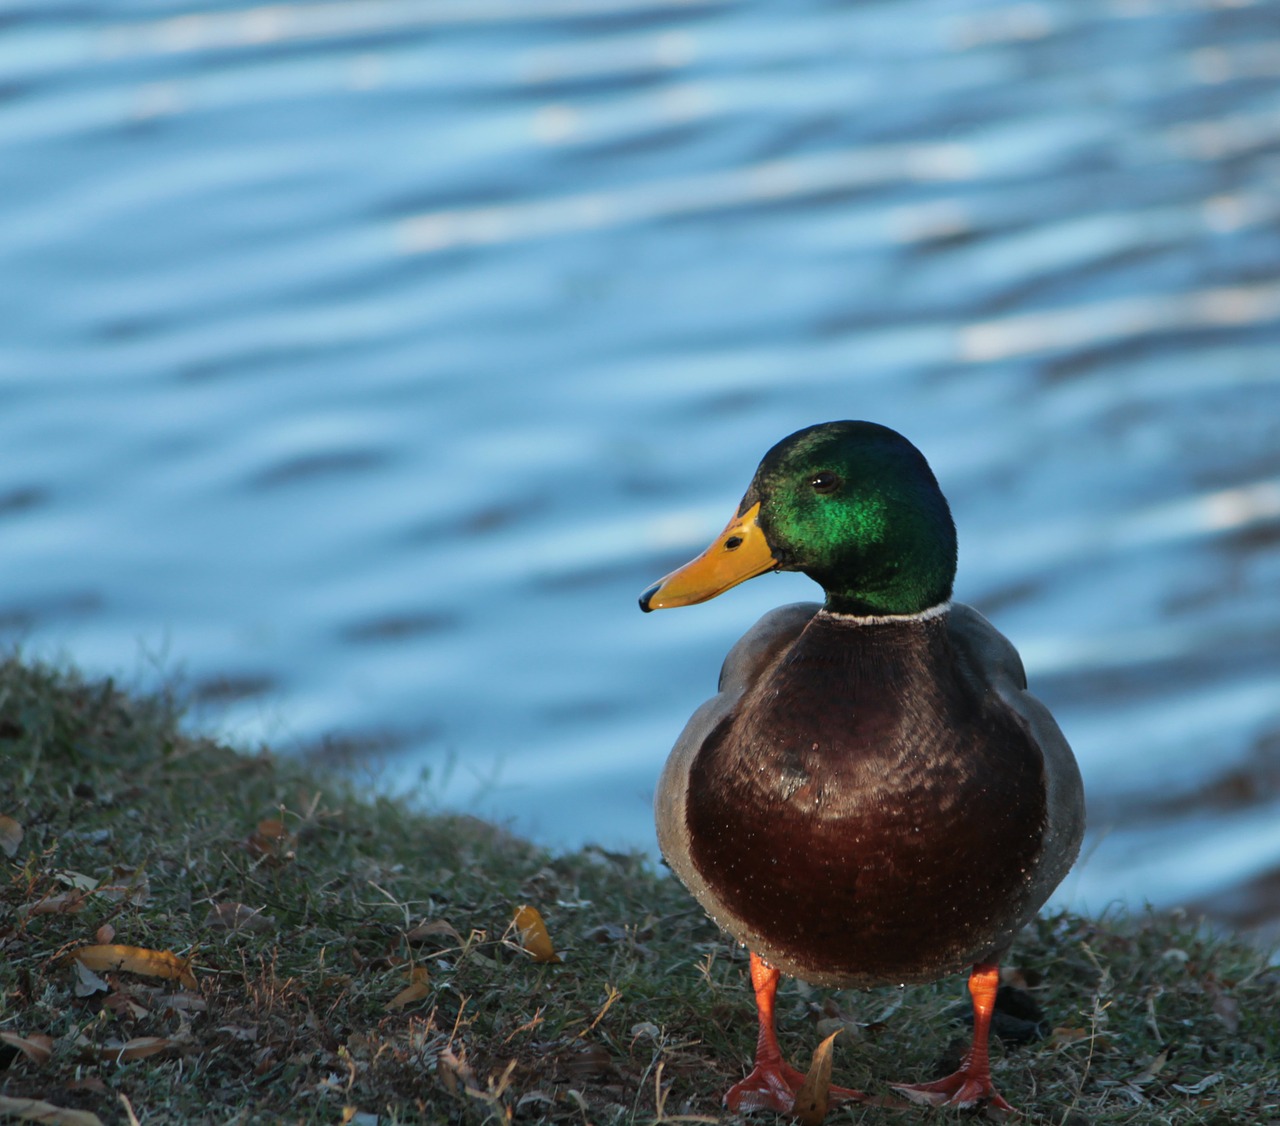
(988, 660)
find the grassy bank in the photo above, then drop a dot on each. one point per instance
(305, 953)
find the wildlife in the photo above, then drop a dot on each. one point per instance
(872, 796)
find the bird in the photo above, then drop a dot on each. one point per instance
(872, 796)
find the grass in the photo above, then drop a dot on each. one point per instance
(306, 908)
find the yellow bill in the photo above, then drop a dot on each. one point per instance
(737, 554)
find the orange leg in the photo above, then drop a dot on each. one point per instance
(972, 1083)
(773, 1083)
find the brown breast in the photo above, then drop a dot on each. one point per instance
(867, 814)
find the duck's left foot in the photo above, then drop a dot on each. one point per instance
(967, 1087)
(774, 1086)
(770, 1086)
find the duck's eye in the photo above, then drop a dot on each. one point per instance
(824, 482)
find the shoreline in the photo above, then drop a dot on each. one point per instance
(320, 955)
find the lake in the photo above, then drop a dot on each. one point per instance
(363, 360)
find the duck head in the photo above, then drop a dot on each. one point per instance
(853, 505)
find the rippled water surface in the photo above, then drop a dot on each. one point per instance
(362, 360)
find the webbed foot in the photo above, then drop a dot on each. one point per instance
(966, 1087)
(774, 1086)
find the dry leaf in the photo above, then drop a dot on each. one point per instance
(77, 880)
(814, 1096)
(1148, 1073)
(33, 1110)
(534, 936)
(419, 986)
(124, 1005)
(248, 1033)
(136, 1049)
(436, 926)
(270, 841)
(590, 1061)
(88, 982)
(1065, 1035)
(136, 960)
(137, 889)
(10, 835)
(37, 1047)
(183, 1003)
(64, 903)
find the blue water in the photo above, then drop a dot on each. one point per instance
(361, 361)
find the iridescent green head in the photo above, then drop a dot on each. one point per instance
(854, 506)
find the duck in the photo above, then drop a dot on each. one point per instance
(872, 796)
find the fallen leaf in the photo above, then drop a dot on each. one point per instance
(264, 1061)
(1148, 1073)
(436, 926)
(814, 1096)
(37, 1047)
(1064, 1035)
(64, 903)
(590, 1061)
(534, 936)
(124, 1005)
(10, 835)
(247, 1033)
(136, 1049)
(136, 960)
(270, 841)
(87, 982)
(183, 1002)
(77, 880)
(135, 889)
(33, 1110)
(419, 986)
(104, 934)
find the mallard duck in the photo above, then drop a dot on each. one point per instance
(872, 796)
